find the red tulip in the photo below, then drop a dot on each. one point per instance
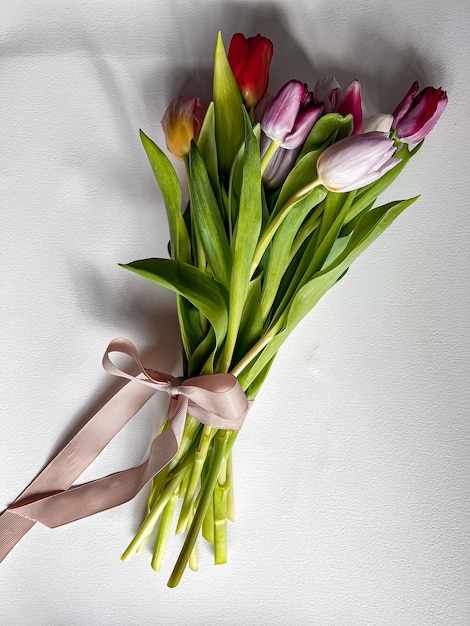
(417, 113)
(249, 60)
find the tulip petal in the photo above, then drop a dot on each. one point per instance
(429, 125)
(405, 105)
(303, 125)
(280, 117)
(238, 53)
(424, 115)
(322, 90)
(381, 123)
(356, 161)
(350, 101)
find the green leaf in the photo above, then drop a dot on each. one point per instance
(245, 237)
(330, 127)
(190, 325)
(208, 219)
(281, 247)
(228, 109)
(303, 173)
(172, 196)
(206, 294)
(201, 361)
(251, 324)
(208, 149)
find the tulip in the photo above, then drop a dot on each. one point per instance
(250, 59)
(356, 161)
(181, 123)
(291, 115)
(279, 167)
(417, 113)
(343, 101)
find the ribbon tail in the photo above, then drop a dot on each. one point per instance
(99, 495)
(75, 456)
(13, 527)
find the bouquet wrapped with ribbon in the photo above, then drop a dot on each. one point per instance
(283, 196)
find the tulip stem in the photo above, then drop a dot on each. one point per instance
(272, 227)
(220, 444)
(268, 155)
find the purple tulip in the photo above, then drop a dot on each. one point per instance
(291, 115)
(417, 113)
(343, 101)
(356, 161)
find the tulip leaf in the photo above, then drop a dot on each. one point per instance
(245, 237)
(229, 126)
(251, 324)
(201, 361)
(303, 174)
(330, 127)
(206, 294)
(281, 247)
(208, 219)
(368, 229)
(172, 196)
(190, 324)
(208, 149)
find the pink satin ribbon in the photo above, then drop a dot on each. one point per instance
(216, 400)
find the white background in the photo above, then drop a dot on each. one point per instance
(352, 472)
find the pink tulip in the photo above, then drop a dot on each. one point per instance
(343, 101)
(291, 115)
(417, 113)
(356, 161)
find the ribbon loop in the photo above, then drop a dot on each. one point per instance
(216, 400)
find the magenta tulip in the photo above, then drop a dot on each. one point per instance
(418, 113)
(356, 161)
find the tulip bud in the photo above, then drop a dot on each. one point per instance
(291, 115)
(181, 123)
(347, 101)
(418, 113)
(250, 59)
(356, 161)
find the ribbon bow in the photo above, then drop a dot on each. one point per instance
(216, 400)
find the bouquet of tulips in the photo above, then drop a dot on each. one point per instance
(282, 199)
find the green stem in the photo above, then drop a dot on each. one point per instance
(256, 349)
(164, 531)
(272, 227)
(196, 469)
(220, 515)
(220, 444)
(268, 155)
(230, 494)
(150, 521)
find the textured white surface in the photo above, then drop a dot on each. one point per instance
(352, 472)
